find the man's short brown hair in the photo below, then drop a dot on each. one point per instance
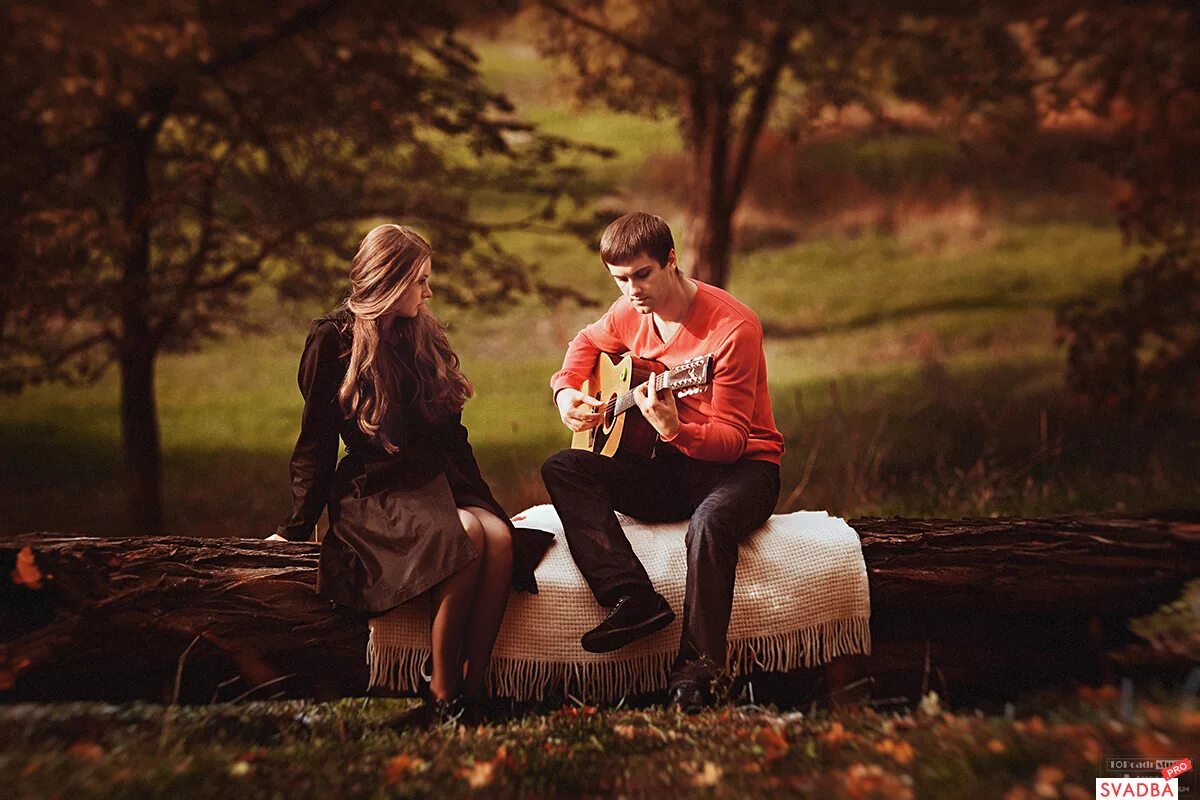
(637, 232)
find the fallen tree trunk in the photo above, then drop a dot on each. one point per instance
(970, 608)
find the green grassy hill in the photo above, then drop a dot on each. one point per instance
(913, 370)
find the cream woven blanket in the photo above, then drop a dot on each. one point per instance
(800, 599)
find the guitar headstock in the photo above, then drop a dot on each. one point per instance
(691, 376)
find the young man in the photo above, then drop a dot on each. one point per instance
(716, 464)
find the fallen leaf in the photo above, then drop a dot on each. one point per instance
(240, 769)
(836, 734)
(901, 751)
(86, 751)
(400, 767)
(1048, 773)
(26, 572)
(479, 774)
(996, 746)
(774, 744)
(709, 775)
(871, 780)
(1090, 749)
(1154, 745)
(625, 731)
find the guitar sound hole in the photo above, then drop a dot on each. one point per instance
(609, 414)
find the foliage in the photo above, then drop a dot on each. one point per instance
(260, 146)
(1134, 70)
(346, 749)
(1175, 627)
(170, 156)
(946, 373)
(721, 69)
(1144, 350)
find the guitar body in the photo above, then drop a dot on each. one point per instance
(628, 432)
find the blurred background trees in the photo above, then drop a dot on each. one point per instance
(917, 199)
(164, 158)
(721, 68)
(1134, 70)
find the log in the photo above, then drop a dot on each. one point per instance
(972, 608)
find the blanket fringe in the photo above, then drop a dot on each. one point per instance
(399, 667)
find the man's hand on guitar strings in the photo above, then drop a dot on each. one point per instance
(658, 408)
(577, 410)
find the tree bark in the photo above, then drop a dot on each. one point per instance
(978, 610)
(138, 347)
(708, 221)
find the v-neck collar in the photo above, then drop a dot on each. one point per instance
(679, 325)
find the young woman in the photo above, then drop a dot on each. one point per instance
(409, 511)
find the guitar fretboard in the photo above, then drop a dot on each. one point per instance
(625, 402)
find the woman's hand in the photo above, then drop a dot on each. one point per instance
(577, 410)
(658, 408)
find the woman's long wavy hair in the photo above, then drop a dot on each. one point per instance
(388, 261)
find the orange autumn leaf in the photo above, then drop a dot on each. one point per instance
(479, 774)
(901, 752)
(870, 780)
(1189, 721)
(86, 751)
(707, 776)
(625, 731)
(836, 734)
(1049, 774)
(1090, 749)
(400, 767)
(773, 743)
(26, 572)
(1152, 744)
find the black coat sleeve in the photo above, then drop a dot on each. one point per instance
(529, 544)
(314, 458)
(457, 447)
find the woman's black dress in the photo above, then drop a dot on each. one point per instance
(394, 530)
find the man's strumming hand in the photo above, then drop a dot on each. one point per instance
(577, 410)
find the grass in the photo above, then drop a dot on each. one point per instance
(866, 332)
(1053, 747)
(912, 371)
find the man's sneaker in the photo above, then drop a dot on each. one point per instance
(630, 619)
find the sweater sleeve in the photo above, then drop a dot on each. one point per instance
(602, 336)
(314, 458)
(735, 378)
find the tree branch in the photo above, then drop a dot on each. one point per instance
(615, 38)
(306, 18)
(764, 93)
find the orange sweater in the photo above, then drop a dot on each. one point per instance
(730, 420)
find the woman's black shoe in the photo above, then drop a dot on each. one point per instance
(432, 713)
(633, 617)
(691, 696)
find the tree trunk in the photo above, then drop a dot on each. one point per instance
(138, 348)
(708, 224)
(977, 610)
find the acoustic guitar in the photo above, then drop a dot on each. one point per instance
(614, 379)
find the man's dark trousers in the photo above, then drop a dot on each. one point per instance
(724, 502)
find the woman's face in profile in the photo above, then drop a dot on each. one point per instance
(417, 293)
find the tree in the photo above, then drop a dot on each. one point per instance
(162, 158)
(1133, 70)
(721, 66)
